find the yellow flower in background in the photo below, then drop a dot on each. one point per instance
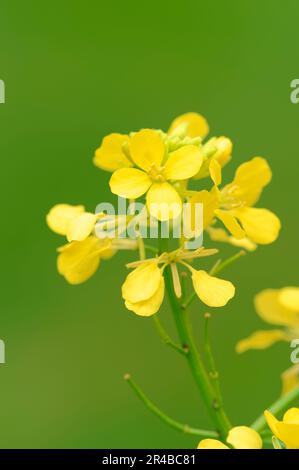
(79, 259)
(239, 437)
(143, 289)
(232, 205)
(286, 430)
(157, 171)
(276, 307)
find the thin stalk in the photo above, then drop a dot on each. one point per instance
(196, 365)
(163, 417)
(278, 407)
(165, 337)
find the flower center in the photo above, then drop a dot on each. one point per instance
(156, 173)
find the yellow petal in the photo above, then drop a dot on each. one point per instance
(261, 340)
(291, 416)
(210, 202)
(243, 437)
(142, 283)
(183, 163)
(289, 298)
(163, 201)
(147, 148)
(192, 125)
(212, 291)
(230, 223)
(290, 379)
(78, 261)
(215, 172)
(129, 183)
(260, 225)
(220, 235)
(224, 150)
(211, 444)
(110, 155)
(271, 310)
(286, 432)
(81, 226)
(150, 306)
(250, 179)
(60, 215)
(217, 148)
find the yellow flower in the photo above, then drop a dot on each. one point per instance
(277, 307)
(143, 289)
(111, 155)
(78, 261)
(286, 430)
(80, 258)
(190, 125)
(156, 172)
(193, 125)
(71, 221)
(239, 437)
(232, 205)
(215, 149)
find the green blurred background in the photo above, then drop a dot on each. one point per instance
(74, 72)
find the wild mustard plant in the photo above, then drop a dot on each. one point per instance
(170, 170)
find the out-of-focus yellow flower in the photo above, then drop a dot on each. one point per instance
(143, 289)
(277, 307)
(286, 430)
(80, 258)
(232, 205)
(239, 437)
(220, 235)
(111, 155)
(156, 172)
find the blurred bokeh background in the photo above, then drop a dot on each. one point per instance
(74, 72)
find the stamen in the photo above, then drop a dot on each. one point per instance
(176, 280)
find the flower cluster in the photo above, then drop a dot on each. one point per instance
(159, 165)
(167, 170)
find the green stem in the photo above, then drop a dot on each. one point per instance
(227, 262)
(196, 365)
(166, 419)
(276, 408)
(216, 269)
(165, 337)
